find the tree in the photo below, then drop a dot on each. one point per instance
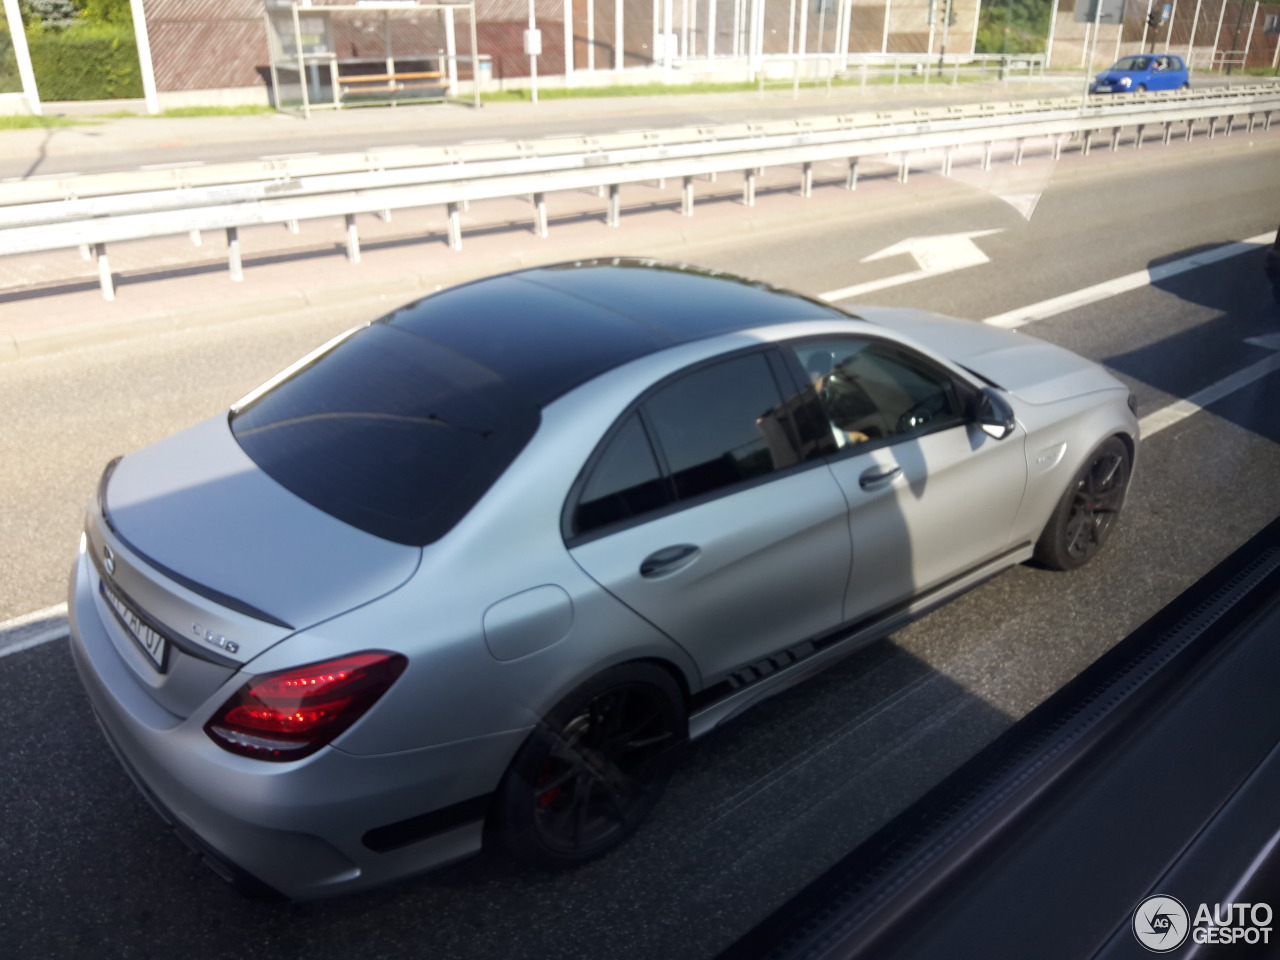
(51, 13)
(1017, 26)
(115, 12)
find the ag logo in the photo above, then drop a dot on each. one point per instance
(1161, 924)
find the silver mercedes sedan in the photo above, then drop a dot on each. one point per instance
(479, 568)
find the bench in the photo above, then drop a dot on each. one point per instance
(391, 83)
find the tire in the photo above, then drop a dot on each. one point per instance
(1088, 510)
(593, 769)
(1140, 88)
(1185, 86)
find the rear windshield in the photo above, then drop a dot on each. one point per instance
(389, 432)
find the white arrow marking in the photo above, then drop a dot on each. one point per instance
(1153, 423)
(934, 255)
(1130, 281)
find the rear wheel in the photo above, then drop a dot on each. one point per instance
(1089, 509)
(594, 767)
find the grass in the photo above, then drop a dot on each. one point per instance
(242, 110)
(24, 122)
(662, 89)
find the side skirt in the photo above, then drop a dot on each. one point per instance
(749, 685)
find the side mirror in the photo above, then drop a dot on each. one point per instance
(995, 416)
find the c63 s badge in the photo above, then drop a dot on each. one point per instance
(208, 636)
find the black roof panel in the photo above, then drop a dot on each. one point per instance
(547, 330)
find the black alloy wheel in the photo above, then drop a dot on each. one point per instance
(1088, 511)
(594, 768)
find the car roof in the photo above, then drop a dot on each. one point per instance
(548, 329)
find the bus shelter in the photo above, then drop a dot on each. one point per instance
(370, 52)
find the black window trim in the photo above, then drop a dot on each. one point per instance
(774, 361)
(966, 392)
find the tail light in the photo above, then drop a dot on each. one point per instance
(292, 714)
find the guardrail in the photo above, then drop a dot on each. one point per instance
(231, 196)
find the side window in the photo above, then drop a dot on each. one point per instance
(722, 424)
(872, 392)
(625, 481)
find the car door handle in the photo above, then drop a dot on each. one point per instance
(878, 476)
(668, 560)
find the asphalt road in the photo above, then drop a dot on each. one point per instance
(759, 807)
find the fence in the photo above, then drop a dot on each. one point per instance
(262, 192)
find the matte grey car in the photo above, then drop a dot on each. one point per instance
(479, 568)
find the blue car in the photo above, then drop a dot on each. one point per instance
(1143, 72)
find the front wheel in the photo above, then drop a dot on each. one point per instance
(1140, 88)
(593, 768)
(1088, 511)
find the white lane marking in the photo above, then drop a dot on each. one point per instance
(173, 165)
(33, 629)
(934, 255)
(39, 176)
(1153, 423)
(289, 156)
(1132, 281)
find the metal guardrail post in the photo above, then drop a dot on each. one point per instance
(455, 226)
(292, 227)
(233, 254)
(1088, 142)
(1168, 133)
(686, 197)
(1019, 145)
(1137, 137)
(947, 156)
(540, 214)
(196, 239)
(749, 187)
(904, 167)
(104, 272)
(353, 239)
(1115, 139)
(614, 215)
(806, 181)
(1213, 127)
(986, 155)
(851, 181)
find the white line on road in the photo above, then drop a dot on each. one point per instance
(173, 165)
(33, 629)
(1132, 281)
(1153, 423)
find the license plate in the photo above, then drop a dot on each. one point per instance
(152, 643)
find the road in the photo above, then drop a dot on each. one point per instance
(760, 806)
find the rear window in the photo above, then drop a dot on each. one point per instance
(388, 432)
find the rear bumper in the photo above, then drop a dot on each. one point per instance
(298, 829)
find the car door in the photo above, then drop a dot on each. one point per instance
(930, 494)
(700, 513)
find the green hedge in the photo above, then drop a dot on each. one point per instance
(85, 63)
